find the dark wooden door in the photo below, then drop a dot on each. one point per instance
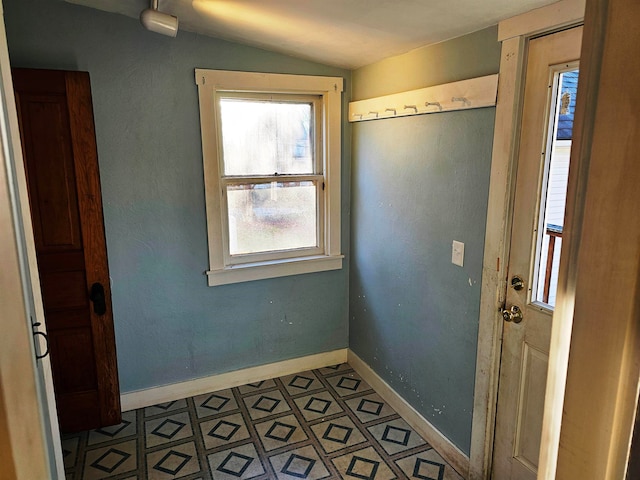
(58, 141)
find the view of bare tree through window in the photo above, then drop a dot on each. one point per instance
(269, 138)
(271, 216)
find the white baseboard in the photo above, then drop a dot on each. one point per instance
(176, 391)
(167, 393)
(441, 444)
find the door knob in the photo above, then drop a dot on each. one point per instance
(514, 314)
(98, 298)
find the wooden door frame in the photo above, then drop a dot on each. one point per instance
(514, 34)
(23, 449)
(601, 286)
(19, 399)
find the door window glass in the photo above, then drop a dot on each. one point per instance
(554, 187)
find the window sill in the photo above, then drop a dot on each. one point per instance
(273, 269)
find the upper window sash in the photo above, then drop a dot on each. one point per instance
(316, 133)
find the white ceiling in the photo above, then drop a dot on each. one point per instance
(344, 33)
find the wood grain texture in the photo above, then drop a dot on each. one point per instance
(57, 129)
(604, 357)
(85, 154)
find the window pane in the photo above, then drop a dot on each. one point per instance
(554, 194)
(266, 137)
(273, 216)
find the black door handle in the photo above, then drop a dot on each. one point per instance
(98, 298)
(46, 340)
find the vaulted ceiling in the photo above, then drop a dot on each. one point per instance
(344, 33)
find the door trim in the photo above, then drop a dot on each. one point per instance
(12, 156)
(23, 422)
(514, 34)
(600, 273)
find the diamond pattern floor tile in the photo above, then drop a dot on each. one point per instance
(266, 404)
(108, 461)
(301, 383)
(364, 464)
(319, 424)
(369, 408)
(337, 434)
(167, 429)
(299, 463)
(223, 431)
(280, 432)
(106, 434)
(215, 403)
(240, 462)
(348, 383)
(173, 462)
(318, 405)
(427, 465)
(396, 436)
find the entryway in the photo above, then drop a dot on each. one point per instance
(540, 192)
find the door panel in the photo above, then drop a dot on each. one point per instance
(50, 173)
(64, 290)
(58, 138)
(533, 375)
(74, 366)
(525, 347)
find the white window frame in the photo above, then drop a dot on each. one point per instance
(215, 83)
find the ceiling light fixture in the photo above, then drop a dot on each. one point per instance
(159, 22)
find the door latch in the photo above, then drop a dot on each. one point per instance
(517, 283)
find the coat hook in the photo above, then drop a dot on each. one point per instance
(461, 99)
(391, 110)
(433, 104)
(359, 115)
(407, 107)
(374, 113)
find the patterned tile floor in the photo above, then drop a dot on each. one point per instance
(321, 424)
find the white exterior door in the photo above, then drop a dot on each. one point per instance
(528, 310)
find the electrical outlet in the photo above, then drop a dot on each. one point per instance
(457, 253)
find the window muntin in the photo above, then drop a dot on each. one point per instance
(300, 191)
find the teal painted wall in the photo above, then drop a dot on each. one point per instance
(170, 326)
(418, 183)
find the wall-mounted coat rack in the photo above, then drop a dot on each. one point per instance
(473, 93)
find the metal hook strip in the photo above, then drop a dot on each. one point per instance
(461, 99)
(433, 104)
